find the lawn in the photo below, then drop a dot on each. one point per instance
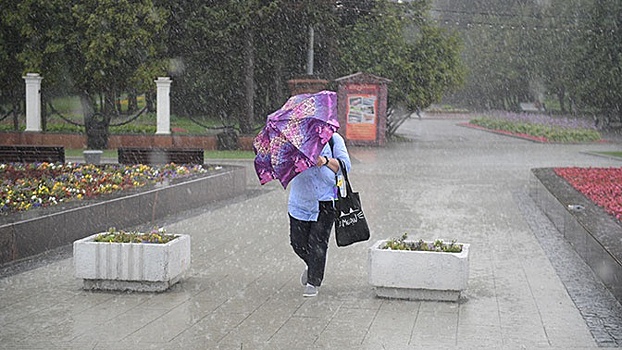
(612, 154)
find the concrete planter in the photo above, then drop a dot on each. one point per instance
(418, 275)
(144, 267)
(92, 156)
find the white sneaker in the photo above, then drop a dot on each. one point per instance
(310, 291)
(304, 277)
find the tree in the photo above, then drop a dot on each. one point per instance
(228, 59)
(214, 42)
(557, 45)
(599, 67)
(98, 49)
(237, 56)
(10, 74)
(118, 42)
(394, 41)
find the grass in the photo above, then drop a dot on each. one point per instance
(234, 154)
(543, 127)
(613, 154)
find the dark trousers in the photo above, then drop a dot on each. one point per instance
(310, 241)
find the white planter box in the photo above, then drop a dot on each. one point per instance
(418, 275)
(147, 267)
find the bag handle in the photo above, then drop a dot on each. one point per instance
(342, 166)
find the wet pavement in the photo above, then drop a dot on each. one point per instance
(243, 290)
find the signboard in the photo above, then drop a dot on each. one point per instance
(361, 112)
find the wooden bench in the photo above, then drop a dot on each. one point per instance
(132, 155)
(32, 154)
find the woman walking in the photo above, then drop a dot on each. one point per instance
(312, 212)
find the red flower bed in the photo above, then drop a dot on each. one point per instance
(601, 185)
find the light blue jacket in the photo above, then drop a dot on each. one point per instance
(316, 184)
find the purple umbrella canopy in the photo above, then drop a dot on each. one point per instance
(294, 136)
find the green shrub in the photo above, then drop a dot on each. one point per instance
(552, 133)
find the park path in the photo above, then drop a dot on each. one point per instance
(243, 292)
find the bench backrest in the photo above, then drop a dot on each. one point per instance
(32, 154)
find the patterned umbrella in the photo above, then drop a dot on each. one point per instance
(294, 136)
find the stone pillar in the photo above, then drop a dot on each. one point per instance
(163, 107)
(33, 102)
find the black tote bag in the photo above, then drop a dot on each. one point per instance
(350, 222)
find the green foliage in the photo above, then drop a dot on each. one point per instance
(10, 45)
(438, 68)
(119, 236)
(9, 127)
(229, 154)
(396, 42)
(98, 49)
(65, 128)
(436, 246)
(599, 66)
(550, 133)
(233, 58)
(613, 154)
(133, 129)
(117, 40)
(229, 61)
(518, 51)
(496, 59)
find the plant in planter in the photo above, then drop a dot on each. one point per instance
(418, 270)
(157, 235)
(136, 261)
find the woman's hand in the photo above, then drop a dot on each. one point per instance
(321, 161)
(331, 163)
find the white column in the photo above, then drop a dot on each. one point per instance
(33, 101)
(163, 107)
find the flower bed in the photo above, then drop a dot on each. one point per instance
(27, 186)
(538, 127)
(603, 186)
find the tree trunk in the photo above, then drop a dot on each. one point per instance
(149, 102)
(16, 109)
(249, 83)
(117, 102)
(132, 102)
(44, 113)
(95, 124)
(561, 95)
